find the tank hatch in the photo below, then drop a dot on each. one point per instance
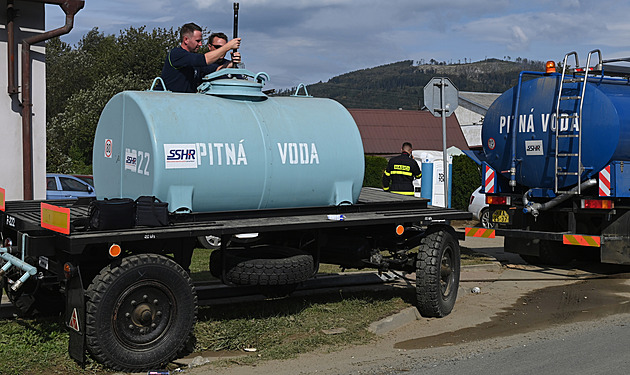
(236, 83)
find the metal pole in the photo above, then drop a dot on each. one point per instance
(444, 153)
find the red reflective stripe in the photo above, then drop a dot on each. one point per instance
(489, 180)
(480, 232)
(604, 182)
(579, 240)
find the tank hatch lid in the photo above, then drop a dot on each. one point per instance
(234, 83)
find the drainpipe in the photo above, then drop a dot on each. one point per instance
(70, 8)
(11, 63)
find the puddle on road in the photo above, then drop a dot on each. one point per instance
(586, 300)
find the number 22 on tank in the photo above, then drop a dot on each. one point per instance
(137, 161)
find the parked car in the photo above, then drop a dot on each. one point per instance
(86, 177)
(63, 186)
(479, 208)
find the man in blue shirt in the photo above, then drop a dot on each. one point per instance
(182, 63)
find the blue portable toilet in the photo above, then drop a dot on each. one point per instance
(432, 185)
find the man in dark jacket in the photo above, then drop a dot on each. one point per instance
(401, 171)
(180, 71)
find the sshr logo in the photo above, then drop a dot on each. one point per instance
(181, 154)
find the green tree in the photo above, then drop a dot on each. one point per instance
(81, 79)
(70, 134)
(466, 178)
(374, 167)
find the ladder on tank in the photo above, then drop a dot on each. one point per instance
(575, 117)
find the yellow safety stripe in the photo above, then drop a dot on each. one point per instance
(386, 173)
(402, 173)
(480, 232)
(580, 240)
(386, 188)
(403, 192)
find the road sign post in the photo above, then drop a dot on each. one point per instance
(441, 98)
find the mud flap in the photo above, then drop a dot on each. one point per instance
(75, 318)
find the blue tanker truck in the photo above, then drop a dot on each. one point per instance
(277, 181)
(554, 173)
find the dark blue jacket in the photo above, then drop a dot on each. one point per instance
(181, 70)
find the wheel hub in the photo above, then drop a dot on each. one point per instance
(446, 273)
(147, 310)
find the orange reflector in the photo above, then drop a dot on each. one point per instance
(480, 232)
(55, 218)
(550, 67)
(579, 240)
(114, 250)
(400, 230)
(2, 194)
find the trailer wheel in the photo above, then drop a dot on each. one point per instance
(268, 266)
(437, 274)
(140, 314)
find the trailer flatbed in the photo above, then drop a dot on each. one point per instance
(375, 207)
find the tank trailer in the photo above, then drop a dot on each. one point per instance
(274, 183)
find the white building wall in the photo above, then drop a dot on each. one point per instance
(29, 22)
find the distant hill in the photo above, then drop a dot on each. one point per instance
(401, 84)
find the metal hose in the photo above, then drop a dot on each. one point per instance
(534, 208)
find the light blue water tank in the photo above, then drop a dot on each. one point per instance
(229, 148)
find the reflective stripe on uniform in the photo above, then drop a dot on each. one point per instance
(386, 173)
(403, 192)
(402, 173)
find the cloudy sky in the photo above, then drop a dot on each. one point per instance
(307, 41)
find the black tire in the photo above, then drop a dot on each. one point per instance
(33, 298)
(216, 266)
(437, 274)
(140, 314)
(268, 266)
(485, 220)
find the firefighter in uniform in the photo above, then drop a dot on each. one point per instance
(401, 171)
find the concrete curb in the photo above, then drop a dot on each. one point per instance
(493, 266)
(395, 321)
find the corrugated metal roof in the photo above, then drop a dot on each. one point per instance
(384, 130)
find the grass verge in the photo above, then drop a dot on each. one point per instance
(278, 328)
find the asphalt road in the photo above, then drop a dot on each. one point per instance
(599, 347)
